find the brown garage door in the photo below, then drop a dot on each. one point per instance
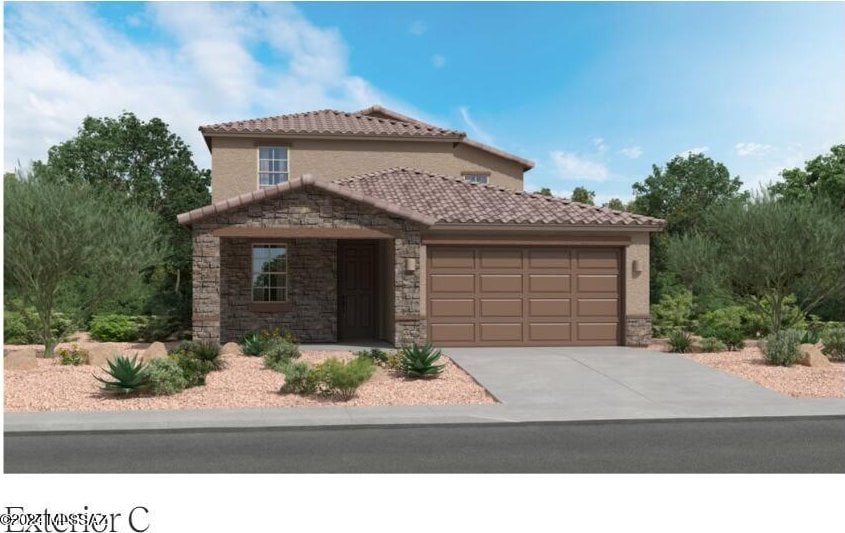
(540, 296)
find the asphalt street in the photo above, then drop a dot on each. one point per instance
(731, 445)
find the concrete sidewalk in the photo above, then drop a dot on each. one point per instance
(532, 384)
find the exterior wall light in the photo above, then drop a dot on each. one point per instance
(410, 264)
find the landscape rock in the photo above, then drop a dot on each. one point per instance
(231, 348)
(812, 356)
(100, 354)
(156, 350)
(20, 359)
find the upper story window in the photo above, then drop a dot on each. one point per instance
(476, 177)
(269, 273)
(272, 165)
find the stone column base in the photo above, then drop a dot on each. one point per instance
(637, 330)
(409, 331)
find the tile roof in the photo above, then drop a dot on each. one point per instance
(452, 200)
(331, 122)
(436, 199)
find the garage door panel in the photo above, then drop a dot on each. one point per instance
(501, 283)
(597, 331)
(501, 308)
(452, 258)
(549, 283)
(541, 307)
(501, 332)
(598, 283)
(549, 258)
(446, 333)
(593, 307)
(452, 307)
(597, 259)
(501, 258)
(549, 332)
(452, 283)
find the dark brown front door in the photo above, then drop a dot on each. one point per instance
(356, 289)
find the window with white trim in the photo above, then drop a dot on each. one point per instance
(269, 273)
(272, 165)
(476, 178)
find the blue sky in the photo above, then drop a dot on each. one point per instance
(594, 93)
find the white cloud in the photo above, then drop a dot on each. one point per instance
(63, 63)
(570, 166)
(418, 27)
(631, 152)
(752, 149)
(438, 61)
(695, 150)
(600, 145)
(476, 130)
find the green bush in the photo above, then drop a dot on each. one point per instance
(680, 341)
(278, 353)
(378, 357)
(341, 379)
(420, 361)
(673, 313)
(782, 349)
(253, 344)
(712, 345)
(734, 317)
(833, 342)
(166, 376)
(128, 376)
(792, 316)
(116, 328)
(193, 368)
(15, 330)
(205, 351)
(23, 327)
(733, 338)
(393, 361)
(73, 356)
(300, 379)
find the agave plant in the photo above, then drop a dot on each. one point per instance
(130, 375)
(253, 344)
(420, 361)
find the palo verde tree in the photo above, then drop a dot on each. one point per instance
(149, 165)
(821, 177)
(57, 233)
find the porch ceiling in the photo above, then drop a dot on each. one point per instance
(305, 233)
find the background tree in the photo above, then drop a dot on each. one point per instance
(152, 167)
(57, 233)
(615, 203)
(822, 177)
(545, 191)
(765, 250)
(582, 195)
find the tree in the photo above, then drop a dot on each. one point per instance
(765, 250)
(152, 167)
(615, 203)
(822, 177)
(582, 195)
(57, 233)
(682, 191)
(545, 191)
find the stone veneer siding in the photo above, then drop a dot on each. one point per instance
(222, 309)
(637, 330)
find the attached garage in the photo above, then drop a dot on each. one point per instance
(524, 296)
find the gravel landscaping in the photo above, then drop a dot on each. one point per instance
(243, 383)
(798, 381)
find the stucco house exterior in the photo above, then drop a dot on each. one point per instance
(372, 225)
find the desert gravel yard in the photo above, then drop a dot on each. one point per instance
(797, 381)
(243, 383)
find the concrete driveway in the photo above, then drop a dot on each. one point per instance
(624, 381)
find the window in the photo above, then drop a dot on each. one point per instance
(476, 178)
(272, 165)
(269, 273)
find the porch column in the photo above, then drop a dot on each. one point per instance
(410, 325)
(206, 285)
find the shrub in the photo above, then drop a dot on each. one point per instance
(279, 353)
(393, 361)
(115, 328)
(300, 379)
(712, 345)
(205, 351)
(129, 376)
(733, 338)
(734, 317)
(159, 328)
(73, 356)
(23, 327)
(378, 357)
(15, 330)
(193, 368)
(809, 337)
(680, 341)
(761, 312)
(833, 342)
(672, 313)
(166, 376)
(783, 348)
(253, 344)
(341, 379)
(420, 361)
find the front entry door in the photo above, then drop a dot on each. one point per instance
(356, 289)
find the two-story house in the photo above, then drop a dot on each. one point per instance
(374, 225)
